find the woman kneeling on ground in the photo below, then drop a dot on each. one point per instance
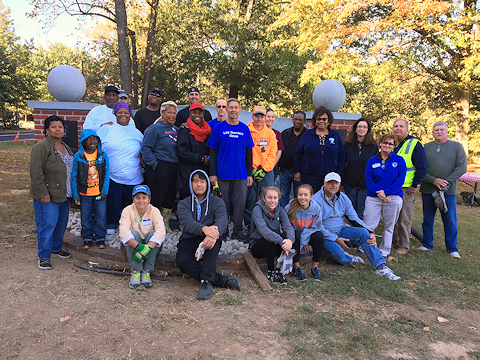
(305, 215)
(267, 240)
(142, 232)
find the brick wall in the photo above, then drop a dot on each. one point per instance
(39, 115)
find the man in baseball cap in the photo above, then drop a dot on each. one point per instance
(103, 114)
(264, 153)
(340, 237)
(193, 95)
(147, 115)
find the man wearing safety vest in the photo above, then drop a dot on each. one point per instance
(413, 153)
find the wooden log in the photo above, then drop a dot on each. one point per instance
(260, 278)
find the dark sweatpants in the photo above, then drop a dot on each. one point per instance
(236, 190)
(317, 242)
(163, 183)
(207, 270)
(268, 250)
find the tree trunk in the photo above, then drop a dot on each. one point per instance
(233, 93)
(123, 50)
(463, 110)
(133, 40)
(147, 69)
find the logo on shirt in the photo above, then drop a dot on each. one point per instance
(332, 140)
(394, 164)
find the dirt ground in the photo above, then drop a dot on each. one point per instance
(69, 313)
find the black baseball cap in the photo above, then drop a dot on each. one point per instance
(111, 88)
(156, 90)
(193, 89)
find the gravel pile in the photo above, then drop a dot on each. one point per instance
(229, 247)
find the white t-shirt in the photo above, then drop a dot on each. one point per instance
(123, 144)
(100, 115)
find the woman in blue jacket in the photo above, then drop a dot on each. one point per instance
(320, 151)
(384, 175)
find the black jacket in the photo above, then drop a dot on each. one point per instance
(190, 152)
(286, 136)
(355, 163)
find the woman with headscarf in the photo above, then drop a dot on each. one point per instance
(122, 143)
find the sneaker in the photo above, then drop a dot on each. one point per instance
(386, 271)
(231, 282)
(279, 279)
(205, 291)
(423, 248)
(455, 255)
(146, 281)
(299, 274)
(44, 264)
(316, 274)
(357, 259)
(62, 254)
(240, 237)
(134, 280)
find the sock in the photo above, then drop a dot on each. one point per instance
(380, 267)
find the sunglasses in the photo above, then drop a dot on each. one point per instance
(222, 106)
(388, 143)
(322, 119)
(155, 94)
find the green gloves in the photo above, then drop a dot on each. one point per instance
(142, 251)
(258, 174)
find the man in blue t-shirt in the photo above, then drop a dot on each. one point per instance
(231, 163)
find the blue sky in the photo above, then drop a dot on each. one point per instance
(65, 29)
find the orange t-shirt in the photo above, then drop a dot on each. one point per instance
(93, 181)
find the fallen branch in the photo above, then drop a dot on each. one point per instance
(113, 272)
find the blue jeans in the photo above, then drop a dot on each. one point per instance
(267, 181)
(357, 196)
(147, 264)
(116, 192)
(51, 220)
(286, 181)
(357, 236)
(449, 219)
(96, 229)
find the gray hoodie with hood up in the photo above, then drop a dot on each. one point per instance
(194, 215)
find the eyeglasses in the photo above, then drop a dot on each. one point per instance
(322, 119)
(155, 94)
(222, 106)
(388, 143)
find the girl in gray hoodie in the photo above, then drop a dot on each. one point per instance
(272, 232)
(305, 214)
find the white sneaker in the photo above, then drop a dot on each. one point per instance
(423, 248)
(455, 255)
(386, 271)
(357, 259)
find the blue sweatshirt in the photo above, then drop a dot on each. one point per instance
(160, 143)
(308, 221)
(80, 167)
(318, 160)
(388, 175)
(333, 212)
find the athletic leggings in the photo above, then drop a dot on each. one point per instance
(317, 242)
(268, 250)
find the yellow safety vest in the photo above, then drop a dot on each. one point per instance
(406, 152)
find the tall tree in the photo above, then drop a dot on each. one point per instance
(434, 37)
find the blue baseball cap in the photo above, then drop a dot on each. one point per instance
(141, 189)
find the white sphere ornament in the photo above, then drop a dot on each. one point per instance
(329, 93)
(66, 83)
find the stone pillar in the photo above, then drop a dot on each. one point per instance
(70, 111)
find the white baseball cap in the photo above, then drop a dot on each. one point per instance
(333, 176)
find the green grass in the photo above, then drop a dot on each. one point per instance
(431, 278)
(229, 300)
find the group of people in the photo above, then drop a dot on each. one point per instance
(128, 170)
